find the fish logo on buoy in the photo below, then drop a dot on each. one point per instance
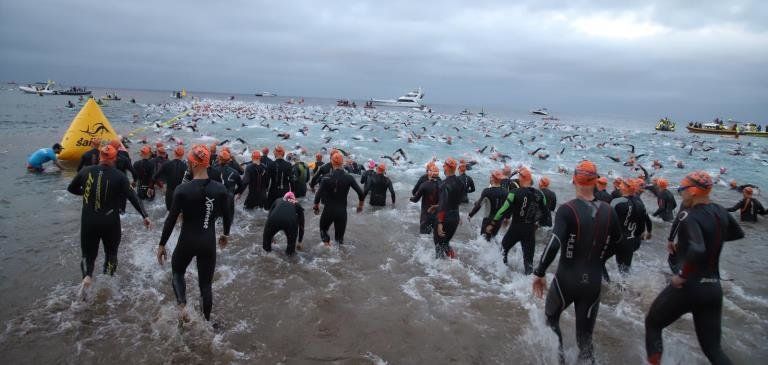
(89, 123)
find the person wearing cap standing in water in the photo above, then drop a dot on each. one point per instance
(704, 227)
(36, 160)
(214, 154)
(749, 206)
(600, 192)
(447, 216)
(429, 194)
(333, 194)
(492, 197)
(103, 189)
(285, 215)
(367, 173)
(318, 163)
(300, 177)
(233, 163)
(584, 228)
(666, 201)
(616, 193)
(280, 177)
(469, 184)
(257, 181)
(549, 195)
(424, 178)
(266, 161)
(90, 157)
(377, 185)
(527, 208)
(160, 158)
(200, 202)
(145, 170)
(509, 183)
(230, 178)
(632, 219)
(172, 172)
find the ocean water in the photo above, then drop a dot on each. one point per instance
(382, 297)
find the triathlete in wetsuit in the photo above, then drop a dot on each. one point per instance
(368, 173)
(600, 192)
(632, 217)
(300, 177)
(493, 197)
(256, 180)
(469, 184)
(429, 194)
(423, 178)
(145, 170)
(333, 193)
(584, 228)
(91, 157)
(549, 194)
(172, 172)
(377, 185)
(616, 193)
(103, 189)
(451, 190)
(230, 178)
(321, 173)
(704, 227)
(526, 207)
(160, 158)
(749, 206)
(318, 163)
(286, 215)
(280, 177)
(666, 201)
(200, 202)
(265, 160)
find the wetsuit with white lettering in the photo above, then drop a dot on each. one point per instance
(451, 190)
(493, 197)
(333, 193)
(103, 188)
(321, 172)
(377, 185)
(667, 205)
(582, 233)
(632, 219)
(145, 169)
(429, 194)
(526, 207)
(201, 202)
(287, 217)
(749, 209)
(172, 172)
(702, 231)
(256, 180)
(280, 180)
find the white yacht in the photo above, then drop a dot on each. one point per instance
(540, 111)
(411, 99)
(265, 93)
(37, 89)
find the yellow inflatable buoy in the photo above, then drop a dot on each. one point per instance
(89, 123)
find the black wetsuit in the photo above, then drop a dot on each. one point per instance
(266, 162)
(300, 178)
(235, 165)
(616, 193)
(172, 172)
(632, 218)
(287, 217)
(256, 180)
(526, 207)
(494, 197)
(451, 190)
(158, 161)
(429, 194)
(103, 188)
(667, 205)
(377, 185)
(90, 158)
(333, 193)
(422, 179)
(124, 165)
(603, 195)
(145, 170)
(510, 184)
(749, 209)
(201, 202)
(321, 172)
(551, 201)
(280, 180)
(234, 184)
(318, 165)
(702, 231)
(469, 187)
(366, 174)
(582, 232)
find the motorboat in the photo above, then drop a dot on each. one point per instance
(39, 89)
(465, 113)
(346, 103)
(265, 93)
(540, 111)
(74, 91)
(412, 99)
(112, 96)
(665, 125)
(718, 127)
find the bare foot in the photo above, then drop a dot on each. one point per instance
(183, 314)
(327, 244)
(86, 284)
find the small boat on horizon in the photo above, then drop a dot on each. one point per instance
(540, 111)
(265, 93)
(411, 99)
(37, 89)
(665, 125)
(74, 91)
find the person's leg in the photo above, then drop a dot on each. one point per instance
(89, 248)
(206, 265)
(557, 301)
(510, 240)
(269, 234)
(665, 309)
(111, 237)
(707, 317)
(340, 225)
(180, 259)
(326, 218)
(291, 234)
(586, 314)
(528, 243)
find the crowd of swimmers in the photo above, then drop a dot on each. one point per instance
(204, 183)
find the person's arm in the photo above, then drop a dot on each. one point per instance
(545, 219)
(692, 245)
(76, 185)
(559, 235)
(391, 190)
(734, 231)
(358, 190)
(300, 218)
(170, 220)
(442, 204)
(759, 207)
(470, 185)
(662, 206)
(417, 194)
(239, 183)
(478, 203)
(83, 158)
(736, 207)
(418, 184)
(226, 214)
(675, 227)
(367, 188)
(131, 195)
(320, 193)
(507, 204)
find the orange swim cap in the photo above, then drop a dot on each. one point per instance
(115, 143)
(199, 155)
(699, 183)
(145, 151)
(585, 173)
(255, 155)
(544, 182)
(450, 164)
(319, 156)
(224, 156)
(337, 159)
(178, 151)
(433, 171)
(748, 191)
(525, 174)
(617, 182)
(602, 181)
(107, 153)
(662, 183)
(497, 175)
(265, 151)
(279, 151)
(381, 168)
(507, 170)
(159, 144)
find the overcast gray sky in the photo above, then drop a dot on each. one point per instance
(689, 59)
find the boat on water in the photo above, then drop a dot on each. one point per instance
(265, 93)
(74, 91)
(665, 125)
(179, 94)
(719, 128)
(465, 113)
(39, 88)
(346, 103)
(540, 111)
(111, 97)
(412, 99)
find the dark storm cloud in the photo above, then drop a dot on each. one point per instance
(693, 59)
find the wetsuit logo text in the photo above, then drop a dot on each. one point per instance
(208, 210)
